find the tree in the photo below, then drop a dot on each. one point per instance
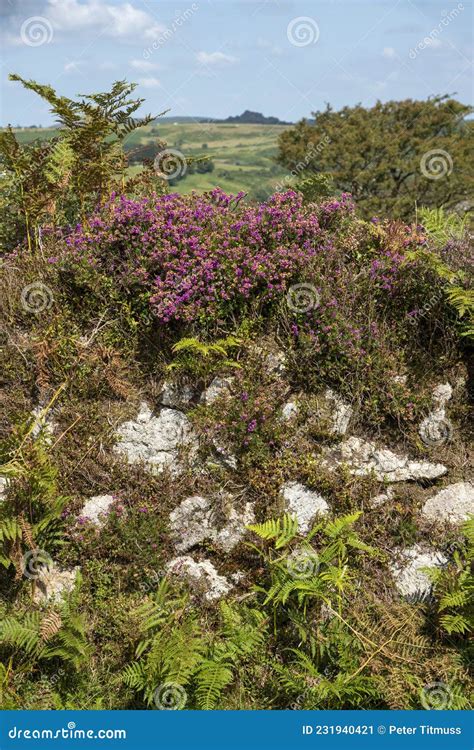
(391, 157)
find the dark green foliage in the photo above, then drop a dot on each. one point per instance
(376, 154)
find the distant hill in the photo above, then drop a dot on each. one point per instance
(255, 118)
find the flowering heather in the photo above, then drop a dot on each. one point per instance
(207, 256)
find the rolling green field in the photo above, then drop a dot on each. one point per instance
(243, 155)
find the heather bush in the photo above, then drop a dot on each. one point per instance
(348, 297)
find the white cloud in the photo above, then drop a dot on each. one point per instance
(149, 83)
(389, 53)
(119, 21)
(143, 65)
(215, 58)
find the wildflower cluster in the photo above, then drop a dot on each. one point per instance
(207, 256)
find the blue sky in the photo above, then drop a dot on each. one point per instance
(218, 57)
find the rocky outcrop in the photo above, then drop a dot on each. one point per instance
(304, 503)
(363, 457)
(3, 488)
(197, 520)
(454, 503)
(157, 440)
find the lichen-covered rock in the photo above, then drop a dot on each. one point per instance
(217, 388)
(96, 509)
(196, 520)
(202, 577)
(176, 396)
(156, 440)
(341, 412)
(304, 503)
(454, 503)
(363, 457)
(289, 410)
(410, 580)
(54, 584)
(3, 488)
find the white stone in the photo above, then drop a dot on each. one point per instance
(174, 395)
(156, 440)
(195, 521)
(454, 503)
(202, 577)
(410, 580)
(289, 410)
(3, 488)
(304, 503)
(341, 413)
(53, 583)
(96, 509)
(442, 394)
(363, 457)
(217, 388)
